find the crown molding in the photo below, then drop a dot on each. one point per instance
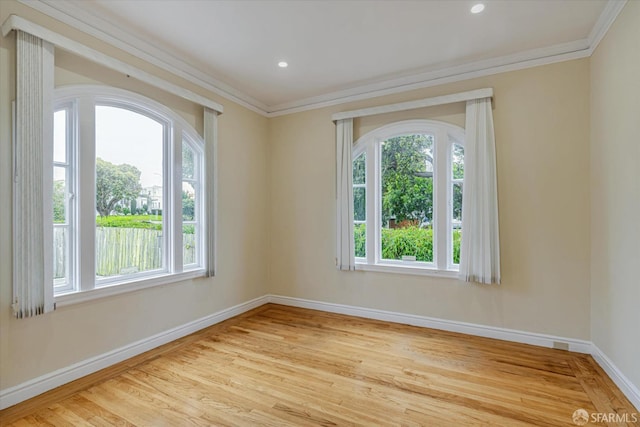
(15, 22)
(532, 58)
(79, 18)
(609, 14)
(111, 33)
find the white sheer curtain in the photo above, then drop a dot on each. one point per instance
(33, 178)
(345, 256)
(211, 154)
(480, 247)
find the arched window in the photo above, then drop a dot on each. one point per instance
(407, 191)
(128, 191)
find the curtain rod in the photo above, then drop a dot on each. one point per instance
(412, 105)
(15, 22)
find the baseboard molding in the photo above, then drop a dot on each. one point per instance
(44, 383)
(542, 340)
(626, 386)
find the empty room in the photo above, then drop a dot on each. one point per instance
(319, 212)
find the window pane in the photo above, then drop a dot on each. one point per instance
(60, 195)
(457, 235)
(458, 161)
(407, 198)
(191, 197)
(359, 169)
(61, 204)
(457, 204)
(359, 204)
(456, 222)
(129, 192)
(188, 201)
(124, 249)
(360, 239)
(60, 136)
(189, 242)
(188, 162)
(60, 254)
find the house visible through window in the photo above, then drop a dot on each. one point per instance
(407, 190)
(127, 190)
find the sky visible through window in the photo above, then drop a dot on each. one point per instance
(123, 136)
(59, 136)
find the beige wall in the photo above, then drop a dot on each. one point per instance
(33, 347)
(542, 135)
(277, 212)
(615, 197)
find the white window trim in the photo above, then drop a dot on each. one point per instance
(87, 286)
(200, 212)
(414, 270)
(70, 212)
(446, 135)
(412, 105)
(137, 284)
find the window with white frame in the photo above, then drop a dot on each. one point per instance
(128, 191)
(407, 196)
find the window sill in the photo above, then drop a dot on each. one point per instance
(71, 298)
(405, 269)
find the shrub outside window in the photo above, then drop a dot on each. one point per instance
(407, 188)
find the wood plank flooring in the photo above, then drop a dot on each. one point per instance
(284, 366)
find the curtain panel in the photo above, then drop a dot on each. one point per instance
(211, 179)
(33, 181)
(345, 255)
(480, 246)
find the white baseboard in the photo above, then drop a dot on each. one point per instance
(626, 386)
(542, 340)
(39, 385)
(44, 383)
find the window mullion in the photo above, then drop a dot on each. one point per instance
(368, 162)
(175, 188)
(86, 188)
(441, 197)
(200, 210)
(72, 196)
(373, 205)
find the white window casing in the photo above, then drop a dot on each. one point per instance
(81, 102)
(480, 251)
(445, 135)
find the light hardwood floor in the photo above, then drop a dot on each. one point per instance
(283, 366)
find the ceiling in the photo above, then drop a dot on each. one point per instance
(338, 49)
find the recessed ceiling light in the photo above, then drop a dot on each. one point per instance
(477, 8)
(283, 64)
